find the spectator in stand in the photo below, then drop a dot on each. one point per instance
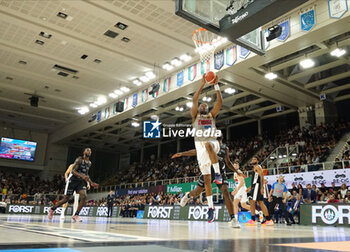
(294, 208)
(309, 195)
(332, 199)
(294, 189)
(316, 190)
(301, 189)
(334, 188)
(347, 197)
(343, 191)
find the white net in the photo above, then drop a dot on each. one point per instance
(206, 42)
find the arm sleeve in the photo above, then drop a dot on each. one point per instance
(285, 188)
(273, 186)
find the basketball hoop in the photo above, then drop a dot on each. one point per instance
(206, 42)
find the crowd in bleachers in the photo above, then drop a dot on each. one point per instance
(168, 168)
(25, 187)
(313, 146)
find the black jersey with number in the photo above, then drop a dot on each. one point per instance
(83, 169)
(255, 178)
(221, 157)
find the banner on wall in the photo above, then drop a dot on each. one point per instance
(144, 95)
(107, 113)
(314, 178)
(192, 72)
(186, 187)
(285, 30)
(140, 190)
(180, 79)
(219, 60)
(243, 52)
(134, 100)
(307, 19)
(325, 214)
(166, 85)
(126, 103)
(205, 66)
(231, 55)
(337, 8)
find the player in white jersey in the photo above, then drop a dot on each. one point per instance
(240, 191)
(207, 147)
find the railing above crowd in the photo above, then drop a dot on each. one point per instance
(344, 164)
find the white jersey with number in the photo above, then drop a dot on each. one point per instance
(242, 193)
(203, 122)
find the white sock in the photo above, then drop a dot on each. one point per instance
(210, 201)
(62, 213)
(236, 216)
(216, 168)
(256, 212)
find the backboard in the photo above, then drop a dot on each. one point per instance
(240, 21)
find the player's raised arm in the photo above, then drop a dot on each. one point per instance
(194, 109)
(216, 109)
(189, 153)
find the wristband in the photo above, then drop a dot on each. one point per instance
(216, 87)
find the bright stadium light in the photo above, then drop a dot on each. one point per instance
(189, 104)
(176, 62)
(167, 66)
(125, 89)
(338, 52)
(144, 79)
(185, 57)
(307, 63)
(83, 110)
(150, 75)
(230, 91)
(271, 76)
(137, 82)
(135, 124)
(113, 95)
(118, 92)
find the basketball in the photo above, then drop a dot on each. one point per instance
(210, 77)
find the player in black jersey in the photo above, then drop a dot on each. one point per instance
(200, 183)
(77, 181)
(256, 194)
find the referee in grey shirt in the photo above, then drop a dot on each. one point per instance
(278, 195)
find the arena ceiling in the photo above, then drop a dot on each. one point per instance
(155, 35)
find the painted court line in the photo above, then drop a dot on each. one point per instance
(335, 246)
(77, 234)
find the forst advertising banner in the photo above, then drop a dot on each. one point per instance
(339, 177)
(325, 214)
(195, 213)
(44, 210)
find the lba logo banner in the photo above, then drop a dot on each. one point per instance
(151, 129)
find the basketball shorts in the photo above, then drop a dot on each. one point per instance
(200, 181)
(203, 158)
(255, 193)
(74, 186)
(242, 194)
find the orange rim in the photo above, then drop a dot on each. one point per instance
(197, 40)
